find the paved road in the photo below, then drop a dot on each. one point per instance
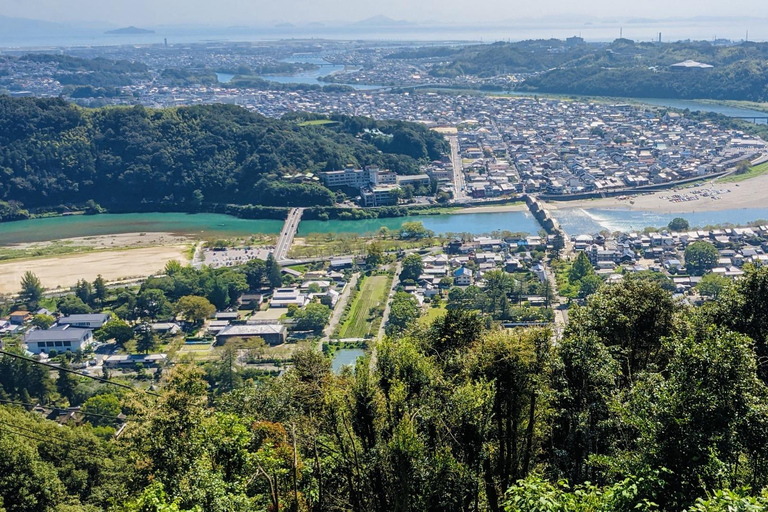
(290, 228)
(459, 185)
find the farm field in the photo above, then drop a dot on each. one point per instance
(373, 293)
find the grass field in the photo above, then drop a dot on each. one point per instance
(753, 172)
(752, 105)
(317, 122)
(372, 294)
(431, 314)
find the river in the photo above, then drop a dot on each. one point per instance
(224, 78)
(577, 221)
(213, 225)
(202, 224)
(694, 105)
(325, 68)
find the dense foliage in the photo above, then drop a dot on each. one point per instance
(622, 68)
(55, 153)
(643, 403)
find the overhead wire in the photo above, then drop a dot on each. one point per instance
(74, 372)
(53, 408)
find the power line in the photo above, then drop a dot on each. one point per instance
(68, 370)
(35, 436)
(56, 409)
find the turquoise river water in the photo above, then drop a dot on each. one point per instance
(218, 225)
(209, 225)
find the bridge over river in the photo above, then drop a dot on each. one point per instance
(290, 228)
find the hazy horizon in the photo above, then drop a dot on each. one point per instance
(241, 12)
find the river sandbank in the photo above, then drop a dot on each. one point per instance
(752, 193)
(65, 270)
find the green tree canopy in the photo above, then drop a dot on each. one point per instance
(102, 410)
(42, 321)
(313, 317)
(700, 257)
(678, 224)
(115, 329)
(413, 266)
(195, 309)
(31, 289)
(374, 255)
(712, 285)
(581, 268)
(403, 311)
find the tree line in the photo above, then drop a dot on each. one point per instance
(54, 153)
(644, 403)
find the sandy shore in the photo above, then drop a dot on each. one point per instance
(116, 241)
(514, 207)
(752, 193)
(65, 271)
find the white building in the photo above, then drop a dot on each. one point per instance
(61, 339)
(283, 297)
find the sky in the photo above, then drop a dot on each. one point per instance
(254, 12)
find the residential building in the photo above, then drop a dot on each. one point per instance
(19, 317)
(462, 277)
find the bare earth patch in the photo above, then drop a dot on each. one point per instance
(65, 271)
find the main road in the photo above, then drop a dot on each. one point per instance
(290, 228)
(459, 184)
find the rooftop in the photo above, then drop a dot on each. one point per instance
(56, 335)
(253, 330)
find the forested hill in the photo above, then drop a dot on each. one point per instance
(621, 68)
(52, 152)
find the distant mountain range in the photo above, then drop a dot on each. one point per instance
(381, 21)
(23, 25)
(130, 30)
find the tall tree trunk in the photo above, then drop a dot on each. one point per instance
(319, 471)
(501, 462)
(295, 475)
(529, 434)
(513, 462)
(490, 487)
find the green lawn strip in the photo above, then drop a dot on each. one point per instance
(317, 122)
(372, 293)
(432, 314)
(753, 172)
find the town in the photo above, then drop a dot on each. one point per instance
(526, 274)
